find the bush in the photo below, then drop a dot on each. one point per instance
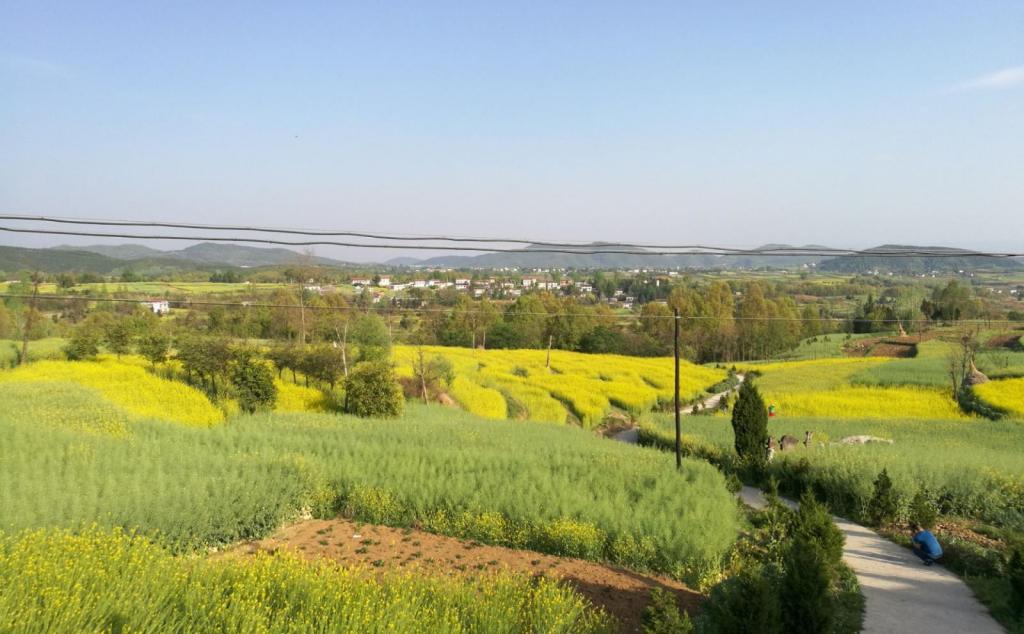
(1015, 572)
(747, 602)
(371, 391)
(750, 424)
(883, 507)
(922, 510)
(155, 346)
(662, 615)
(805, 591)
(813, 524)
(252, 381)
(84, 344)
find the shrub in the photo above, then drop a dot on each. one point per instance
(813, 524)
(371, 390)
(573, 538)
(155, 346)
(83, 345)
(922, 510)
(805, 591)
(883, 507)
(750, 424)
(252, 381)
(662, 615)
(747, 602)
(1015, 572)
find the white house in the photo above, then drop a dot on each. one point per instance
(361, 281)
(385, 280)
(160, 307)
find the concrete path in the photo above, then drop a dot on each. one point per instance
(901, 594)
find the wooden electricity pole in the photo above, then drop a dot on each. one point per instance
(675, 340)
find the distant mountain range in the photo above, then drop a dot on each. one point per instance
(207, 253)
(950, 261)
(104, 259)
(535, 256)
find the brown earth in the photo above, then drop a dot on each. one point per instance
(622, 593)
(897, 347)
(1005, 340)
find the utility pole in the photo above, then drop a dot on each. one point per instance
(30, 316)
(675, 340)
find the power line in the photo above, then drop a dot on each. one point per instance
(403, 309)
(596, 248)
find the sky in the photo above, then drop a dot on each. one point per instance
(733, 123)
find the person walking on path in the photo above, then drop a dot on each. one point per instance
(925, 546)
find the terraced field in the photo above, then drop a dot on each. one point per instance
(580, 386)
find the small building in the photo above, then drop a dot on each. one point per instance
(159, 306)
(385, 280)
(361, 281)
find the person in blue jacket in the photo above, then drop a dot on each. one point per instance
(925, 546)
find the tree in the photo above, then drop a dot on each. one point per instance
(960, 362)
(6, 323)
(805, 591)
(117, 336)
(813, 523)
(252, 381)
(83, 345)
(371, 390)
(883, 506)
(430, 373)
(922, 510)
(747, 602)
(750, 424)
(205, 357)
(370, 336)
(324, 363)
(155, 346)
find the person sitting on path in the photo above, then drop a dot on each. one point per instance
(925, 546)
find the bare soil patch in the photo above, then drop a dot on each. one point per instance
(622, 593)
(895, 347)
(1011, 340)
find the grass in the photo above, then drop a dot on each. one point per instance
(125, 384)
(821, 347)
(116, 581)
(586, 386)
(38, 349)
(546, 487)
(837, 388)
(972, 466)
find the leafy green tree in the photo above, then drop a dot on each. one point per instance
(371, 338)
(206, 358)
(324, 364)
(84, 344)
(372, 391)
(431, 373)
(285, 357)
(117, 337)
(155, 346)
(252, 381)
(750, 424)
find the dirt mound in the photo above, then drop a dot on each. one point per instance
(895, 347)
(623, 593)
(1011, 340)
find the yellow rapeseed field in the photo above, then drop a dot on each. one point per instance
(587, 385)
(1007, 394)
(125, 384)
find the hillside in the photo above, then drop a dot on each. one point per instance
(918, 264)
(207, 253)
(534, 256)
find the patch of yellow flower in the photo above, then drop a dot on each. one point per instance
(127, 384)
(587, 385)
(1007, 394)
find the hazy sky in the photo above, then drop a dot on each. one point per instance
(848, 124)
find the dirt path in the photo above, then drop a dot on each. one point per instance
(901, 594)
(623, 593)
(631, 436)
